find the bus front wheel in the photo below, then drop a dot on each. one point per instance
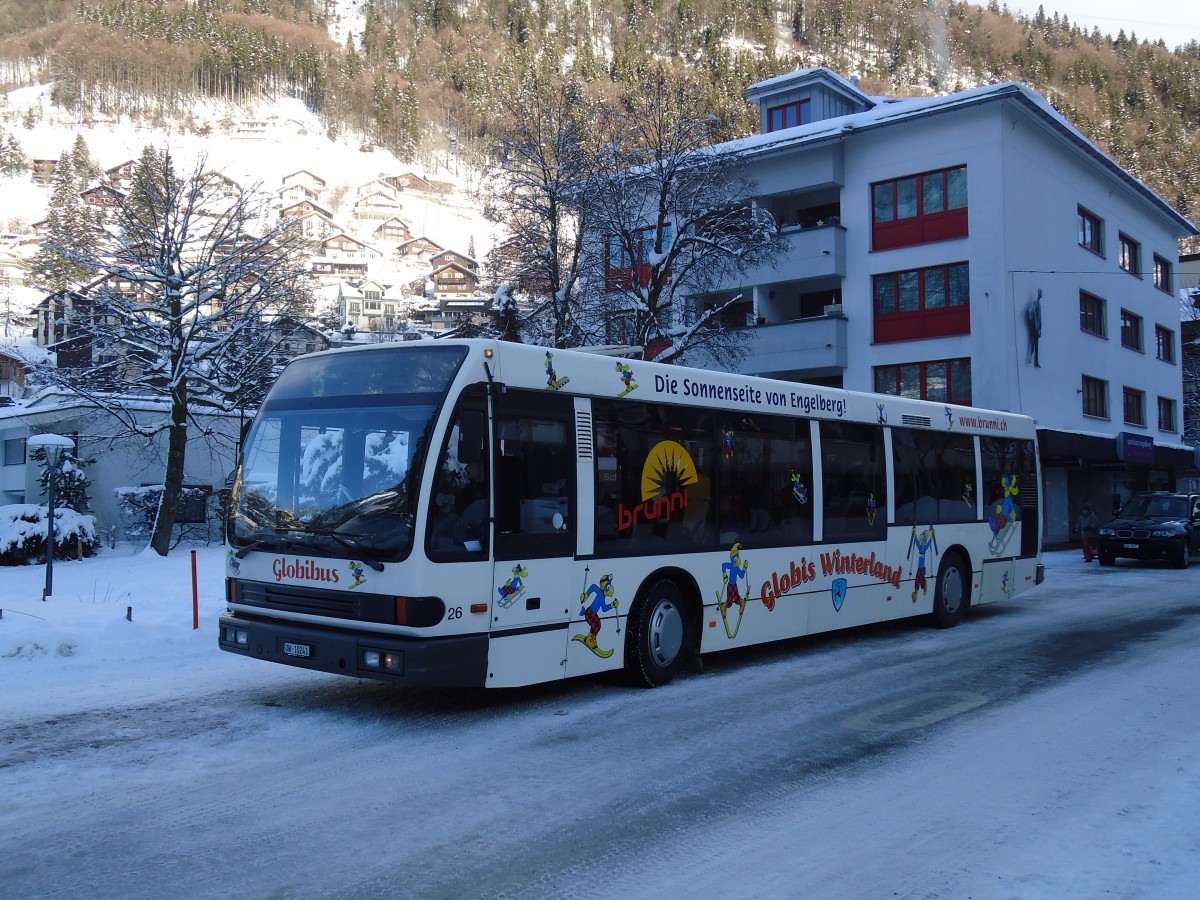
(953, 593)
(656, 636)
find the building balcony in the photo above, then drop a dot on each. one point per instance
(810, 254)
(799, 349)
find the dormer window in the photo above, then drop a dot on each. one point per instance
(789, 115)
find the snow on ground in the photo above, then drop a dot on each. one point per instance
(78, 649)
(1099, 799)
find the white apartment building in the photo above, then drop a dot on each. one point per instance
(973, 248)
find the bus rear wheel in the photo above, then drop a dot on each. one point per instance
(953, 593)
(657, 634)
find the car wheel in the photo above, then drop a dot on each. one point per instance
(1107, 559)
(1183, 556)
(953, 594)
(657, 634)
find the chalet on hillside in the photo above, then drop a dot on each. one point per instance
(451, 256)
(43, 170)
(293, 338)
(221, 185)
(421, 248)
(102, 196)
(454, 280)
(294, 193)
(377, 205)
(14, 369)
(341, 256)
(302, 208)
(392, 231)
(307, 179)
(455, 311)
(371, 305)
(409, 181)
(375, 185)
(14, 268)
(120, 176)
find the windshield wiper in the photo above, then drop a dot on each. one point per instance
(354, 545)
(275, 539)
(295, 538)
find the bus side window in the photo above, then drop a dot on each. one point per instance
(458, 518)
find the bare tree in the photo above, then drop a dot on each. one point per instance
(177, 311)
(544, 157)
(671, 220)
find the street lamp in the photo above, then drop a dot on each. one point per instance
(53, 446)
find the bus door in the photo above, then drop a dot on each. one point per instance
(534, 585)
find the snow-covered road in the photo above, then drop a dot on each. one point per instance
(1046, 748)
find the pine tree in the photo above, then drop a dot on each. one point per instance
(70, 480)
(71, 232)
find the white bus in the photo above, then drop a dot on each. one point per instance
(471, 512)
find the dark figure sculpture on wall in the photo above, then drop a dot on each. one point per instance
(1033, 324)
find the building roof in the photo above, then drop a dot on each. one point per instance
(883, 113)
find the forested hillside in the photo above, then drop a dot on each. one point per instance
(413, 72)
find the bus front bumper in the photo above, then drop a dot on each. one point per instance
(459, 661)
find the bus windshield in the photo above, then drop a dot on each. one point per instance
(333, 459)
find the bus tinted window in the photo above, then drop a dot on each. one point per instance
(399, 371)
(654, 477)
(935, 477)
(854, 481)
(1010, 485)
(765, 484)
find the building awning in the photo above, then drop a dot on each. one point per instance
(1069, 448)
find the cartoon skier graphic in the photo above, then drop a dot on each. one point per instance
(872, 507)
(514, 588)
(599, 594)
(882, 414)
(922, 542)
(727, 442)
(731, 572)
(1003, 516)
(626, 372)
(799, 488)
(553, 382)
(356, 569)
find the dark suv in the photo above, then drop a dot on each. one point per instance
(1154, 525)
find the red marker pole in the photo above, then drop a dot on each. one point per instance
(195, 596)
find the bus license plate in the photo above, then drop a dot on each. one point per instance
(297, 650)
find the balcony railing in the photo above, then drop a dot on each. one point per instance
(818, 252)
(802, 348)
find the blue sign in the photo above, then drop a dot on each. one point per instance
(1135, 448)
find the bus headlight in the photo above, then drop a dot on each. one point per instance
(383, 660)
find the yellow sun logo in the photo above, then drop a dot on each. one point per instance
(668, 469)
